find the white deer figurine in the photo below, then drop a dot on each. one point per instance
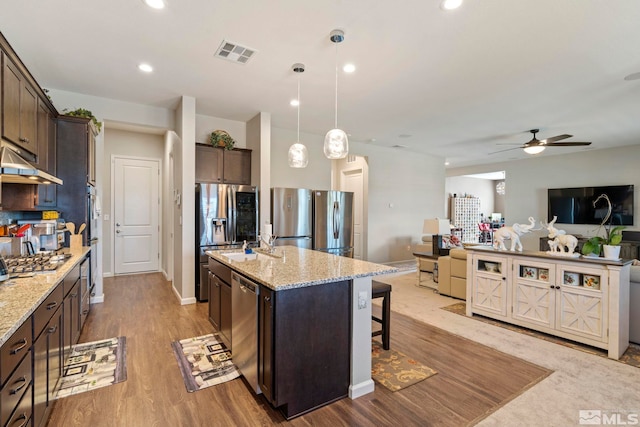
(562, 243)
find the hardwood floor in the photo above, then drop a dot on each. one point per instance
(472, 379)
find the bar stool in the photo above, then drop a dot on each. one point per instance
(382, 290)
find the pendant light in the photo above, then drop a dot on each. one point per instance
(298, 154)
(336, 143)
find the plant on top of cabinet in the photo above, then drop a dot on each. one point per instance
(81, 112)
(612, 236)
(221, 138)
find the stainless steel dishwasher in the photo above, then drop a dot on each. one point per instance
(244, 328)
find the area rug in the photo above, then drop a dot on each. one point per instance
(204, 361)
(630, 357)
(93, 365)
(395, 370)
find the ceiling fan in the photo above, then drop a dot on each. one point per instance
(536, 146)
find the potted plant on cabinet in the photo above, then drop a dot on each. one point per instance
(221, 138)
(610, 243)
(81, 112)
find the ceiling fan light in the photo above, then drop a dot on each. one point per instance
(534, 149)
(336, 144)
(450, 4)
(298, 156)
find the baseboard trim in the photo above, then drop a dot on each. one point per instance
(98, 299)
(358, 390)
(183, 301)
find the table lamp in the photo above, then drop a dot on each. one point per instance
(437, 228)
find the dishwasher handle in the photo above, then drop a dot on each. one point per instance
(245, 284)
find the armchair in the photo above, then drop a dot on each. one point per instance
(453, 274)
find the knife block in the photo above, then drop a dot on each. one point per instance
(75, 243)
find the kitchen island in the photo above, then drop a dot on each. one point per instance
(313, 323)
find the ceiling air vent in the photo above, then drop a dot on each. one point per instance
(234, 52)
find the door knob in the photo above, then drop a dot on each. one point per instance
(117, 231)
(117, 224)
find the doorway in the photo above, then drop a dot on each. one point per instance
(136, 214)
(353, 176)
(490, 189)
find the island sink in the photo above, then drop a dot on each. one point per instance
(239, 256)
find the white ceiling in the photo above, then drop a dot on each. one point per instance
(453, 84)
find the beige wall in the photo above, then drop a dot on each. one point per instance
(527, 182)
(484, 189)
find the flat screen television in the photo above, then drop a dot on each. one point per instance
(575, 205)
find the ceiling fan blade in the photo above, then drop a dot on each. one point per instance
(508, 149)
(558, 138)
(507, 143)
(568, 144)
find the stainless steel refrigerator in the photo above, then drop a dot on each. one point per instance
(226, 216)
(291, 216)
(333, 222)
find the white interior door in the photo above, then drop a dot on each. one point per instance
(353, 180)
(136, 215)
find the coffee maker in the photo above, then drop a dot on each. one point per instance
(46, 235)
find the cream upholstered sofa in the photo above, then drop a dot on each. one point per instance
(452, 274)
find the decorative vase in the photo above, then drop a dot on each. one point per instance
(611, 252)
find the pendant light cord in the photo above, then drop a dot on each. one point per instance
(336, 117)
(298, 137)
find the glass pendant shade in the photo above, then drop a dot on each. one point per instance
(298, 156)
(336, 144)
(298, 153)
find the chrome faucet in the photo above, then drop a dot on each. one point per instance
(270, 242)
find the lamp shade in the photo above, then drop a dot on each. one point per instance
(436, 226)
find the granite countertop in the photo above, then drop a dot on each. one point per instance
(294, 267)
(541, 254)
(20, 297)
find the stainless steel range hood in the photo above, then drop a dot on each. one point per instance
(15, 169)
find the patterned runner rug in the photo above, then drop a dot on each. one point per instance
(204, 361)
(395, 370)
(93, 365)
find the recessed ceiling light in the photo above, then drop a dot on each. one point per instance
(294, 103)
(155, 4)
(446, 163)
(145, 68)
(349, 68)
(450, 4)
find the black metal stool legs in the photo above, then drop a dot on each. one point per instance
(382, 290)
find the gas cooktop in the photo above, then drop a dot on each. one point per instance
(44, 262)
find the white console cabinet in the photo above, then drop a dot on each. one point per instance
(584, 300)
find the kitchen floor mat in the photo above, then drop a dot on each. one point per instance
(204, 361)
(93, 365)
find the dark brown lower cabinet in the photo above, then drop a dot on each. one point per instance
(71, 318)
(214, 300)
(225, 313)
(304, 346)
(47, 366)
